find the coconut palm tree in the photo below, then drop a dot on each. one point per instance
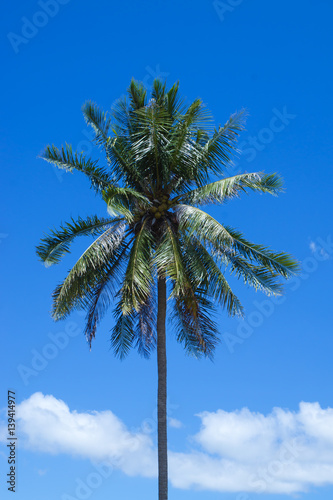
(164, 162)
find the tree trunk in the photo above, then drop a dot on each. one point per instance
(162, 392)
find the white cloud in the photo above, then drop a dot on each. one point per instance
(48, 425)
(174, 422)
(282, 452)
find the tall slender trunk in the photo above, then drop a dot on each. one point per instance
(162, 392)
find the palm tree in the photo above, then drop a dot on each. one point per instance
(164, 161)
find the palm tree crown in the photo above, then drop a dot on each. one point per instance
(160, 157)
(164, 161)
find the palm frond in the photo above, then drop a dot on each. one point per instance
(280, 263)
(196, 222)
(230, 187)
(138, 277)
(90, 268)
(196, 330)
(57, 243)
(208, 276)
(123, 333)
(169, 260)
(149, 144)
(158, 93)
(218, 151)
(137, 94)
(121, 115)
(257, 276)
(66, 159)
(125, 201)
(123, 163)
(98, 299)
(134, 328)
(184, 157)
(146, 328)
(98, 120)
(174, 103)
(193, 221)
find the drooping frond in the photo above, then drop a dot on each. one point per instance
(67, 159)
(257, 276)
(91, 267)
(209, 230)
(209, 277)
(139, 273)
(196, 330)
(98, 120)
(146, 328)
(281, 263)
(169, 260)
(98, 299)
(123, 333)
(55, 245)
(136, 328)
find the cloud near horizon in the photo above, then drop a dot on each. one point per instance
(239, 451)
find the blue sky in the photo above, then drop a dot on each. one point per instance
(263, 409)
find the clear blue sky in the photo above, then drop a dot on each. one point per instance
(273, 58)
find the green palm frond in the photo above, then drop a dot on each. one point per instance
(137, 94)
(174, 103)
(185, 155)
(55, 245)
(230, 187)
(125, 201)
(196, 330)
(169, 260)
(98, 298)
(218, 151)
(123, 163)
(121, 118)
(280, 263)
(150, 143)
(135, 328)
(123, 333)
(98, 120)
(67, 159)
(259, 277)
(194, 221)
(146, 328)
(138, 277)
(90, 268)
(158, 92)
(209, 277)
(209, 230)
